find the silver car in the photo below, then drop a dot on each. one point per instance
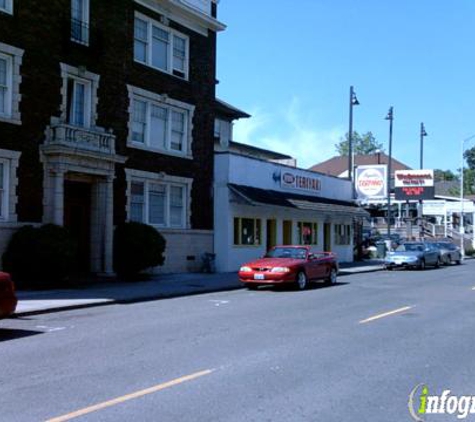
(413, 255)
(449, 252)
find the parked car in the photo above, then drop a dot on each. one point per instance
(8, 300)
(449, 252)
(413, 255)
(297, 265)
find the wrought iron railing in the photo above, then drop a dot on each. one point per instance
(79, 31)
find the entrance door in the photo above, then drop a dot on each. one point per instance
(287, 232)
(327, 237)
(77, 219)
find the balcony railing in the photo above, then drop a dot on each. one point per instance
(79, 31)
(80, 138)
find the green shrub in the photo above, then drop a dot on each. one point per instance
(470, 252)
(137, 246)
(39, 257)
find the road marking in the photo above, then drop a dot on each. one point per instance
(379, 316)
(131, 396)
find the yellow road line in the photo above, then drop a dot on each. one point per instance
(379, 316)
(131, 396)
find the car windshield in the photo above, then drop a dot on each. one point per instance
(410, 247)
(295, 253)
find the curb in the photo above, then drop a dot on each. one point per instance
(160, 296)
(109, 302)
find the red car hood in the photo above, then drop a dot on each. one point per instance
(275, 262)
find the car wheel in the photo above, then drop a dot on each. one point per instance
(389, 267)
(302, 280)
(437, 264)
(332, 277)
(422, 265)
(458, 261)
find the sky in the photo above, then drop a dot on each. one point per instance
(290, 64)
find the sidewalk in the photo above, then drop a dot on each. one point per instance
(159, 287)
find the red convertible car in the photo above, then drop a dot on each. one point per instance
(8, 300)
(290, 264)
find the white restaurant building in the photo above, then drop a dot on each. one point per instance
(260, 203)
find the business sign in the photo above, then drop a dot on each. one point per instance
(292, 180)
(371, 182)
(414, 184)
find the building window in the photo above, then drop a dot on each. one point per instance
(159, 123)
(79, 96)
(247, 231)
(308, 233)
(160, 47)
(8, 183)
(80, 21)
(5, 85)
(79, 102)
(158, 204)
(342, 234)
(6, 6)
(3, 189)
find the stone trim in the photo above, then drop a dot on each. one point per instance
(132, 175)
(11, 158)
(82, 74)
(163, 99)
(16, 58)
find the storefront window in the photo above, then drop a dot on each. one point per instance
(342, 234)
(247, 231)
(308, 233)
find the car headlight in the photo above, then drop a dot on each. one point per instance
(280, 270)
(245, 269)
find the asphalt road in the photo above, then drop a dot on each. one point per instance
(267, 355)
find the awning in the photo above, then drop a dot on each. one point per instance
(257, 196)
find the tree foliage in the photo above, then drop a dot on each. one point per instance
(444, 175)
(364, 144)
(469, 155)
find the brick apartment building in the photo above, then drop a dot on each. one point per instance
(107, 115)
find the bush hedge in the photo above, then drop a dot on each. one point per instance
(137, 246)
(39, 257)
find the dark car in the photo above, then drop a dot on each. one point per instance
(8, 300)
(449, 252)
(290, 264)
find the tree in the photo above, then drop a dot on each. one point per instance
(468, 184)
(469, 155)
(444, 175)
(364, 144)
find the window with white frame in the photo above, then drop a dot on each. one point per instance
(158, 203)
(79, 96)
(78, 101)
(160, 47)
(80, 21)
(5, 85)
(6, 6)
(159, 126)
(3, 189)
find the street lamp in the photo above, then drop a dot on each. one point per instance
(353, 101)
(423, 134)
(461, 226)
(390, 117)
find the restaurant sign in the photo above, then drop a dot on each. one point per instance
(371, 181)
(414, 184)
(291, 180)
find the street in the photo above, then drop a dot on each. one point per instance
(350, 352)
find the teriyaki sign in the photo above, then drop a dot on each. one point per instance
(290, 180)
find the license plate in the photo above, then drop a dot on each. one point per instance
(259, 277)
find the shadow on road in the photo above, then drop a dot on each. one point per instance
(7, 334)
